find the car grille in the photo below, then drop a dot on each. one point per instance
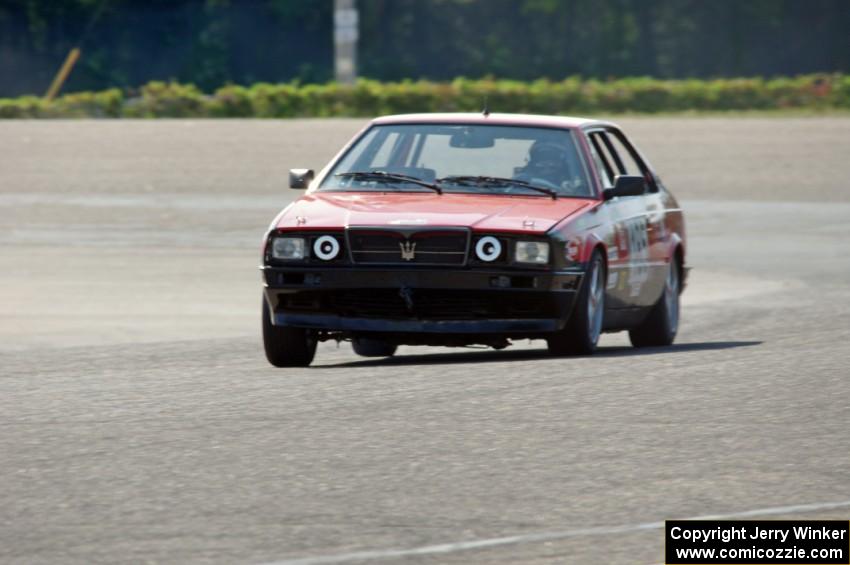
(433, 304)
(425, 247)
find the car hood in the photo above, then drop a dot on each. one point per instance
(529, 214)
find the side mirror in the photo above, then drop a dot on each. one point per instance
(625, 185)
(300, 178)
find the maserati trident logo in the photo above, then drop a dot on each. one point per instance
(408, 250)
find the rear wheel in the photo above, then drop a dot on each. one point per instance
(581, 334)
(287, 347)
(367, 347)
(661, 325)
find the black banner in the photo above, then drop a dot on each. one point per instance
(761, 542)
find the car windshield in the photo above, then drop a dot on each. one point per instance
(490, 159)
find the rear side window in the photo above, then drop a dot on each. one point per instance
(616, 157)
(627, 164)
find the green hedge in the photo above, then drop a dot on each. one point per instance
(370, 98)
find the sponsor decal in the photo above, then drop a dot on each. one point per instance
(622, 241)
(661, 230)
(572, 249)
(638, 246)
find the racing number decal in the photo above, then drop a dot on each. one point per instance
(638, 246)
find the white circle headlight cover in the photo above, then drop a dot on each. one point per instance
(326, 247)
(488, 248)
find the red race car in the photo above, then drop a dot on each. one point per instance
(461, 229)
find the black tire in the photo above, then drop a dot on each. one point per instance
(581, 334)
(366, 347)
(287, 347)
(660, 326)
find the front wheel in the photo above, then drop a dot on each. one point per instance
(287, 347)
(581, 334)
(662, 323)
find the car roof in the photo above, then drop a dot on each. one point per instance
(531, 120)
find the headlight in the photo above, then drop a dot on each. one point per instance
(326, 247)
(488, 249)
(531, 252)
(288, 248)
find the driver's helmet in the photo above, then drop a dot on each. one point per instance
(548, 160)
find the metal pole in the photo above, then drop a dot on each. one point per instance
(73, 56)
(63, 73)
(346, 21)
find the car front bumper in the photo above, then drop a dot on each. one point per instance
(417, 300)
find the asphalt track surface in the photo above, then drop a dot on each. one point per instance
(139, 421)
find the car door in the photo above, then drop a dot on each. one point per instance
(632, 280)
(652, 262)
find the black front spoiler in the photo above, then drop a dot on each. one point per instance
(558, 287)
(344, 324)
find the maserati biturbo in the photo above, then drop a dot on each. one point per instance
(462, 229)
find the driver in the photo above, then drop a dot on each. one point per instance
(547, 161)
